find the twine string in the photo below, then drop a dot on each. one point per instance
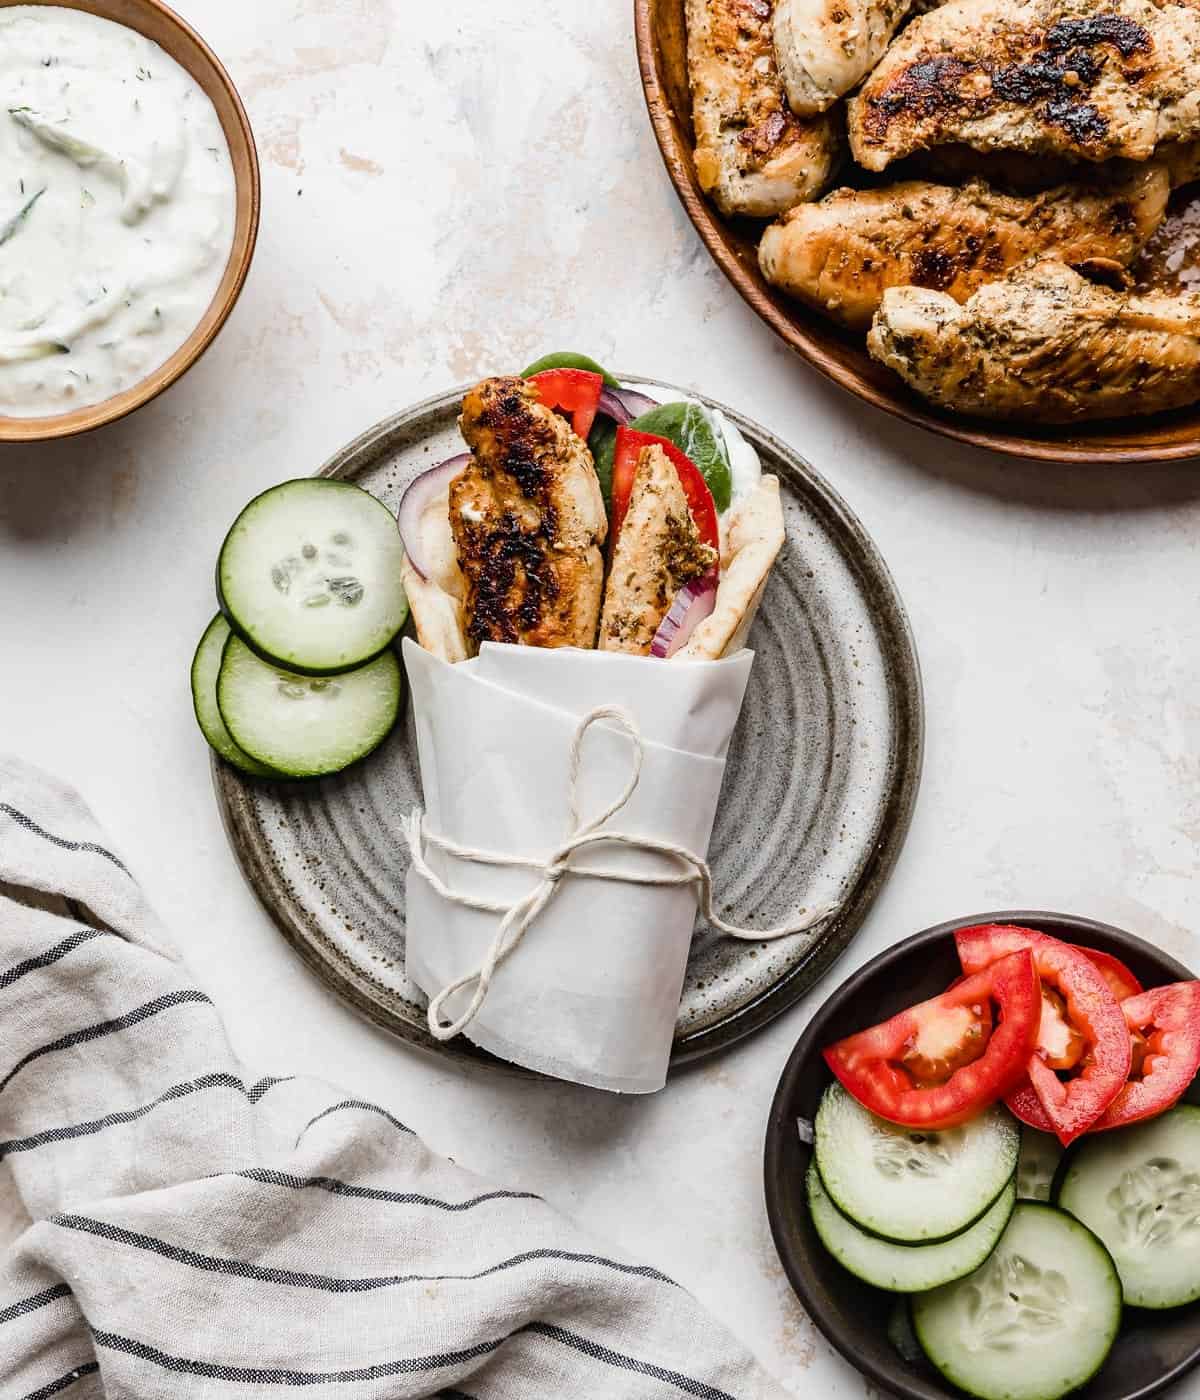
(519, 917)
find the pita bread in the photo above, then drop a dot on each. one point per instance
(754, 535)
(436, 601)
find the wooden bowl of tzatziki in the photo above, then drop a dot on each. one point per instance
(129, 203)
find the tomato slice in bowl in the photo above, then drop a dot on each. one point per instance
(1023, 1103)
(892, 1069)
(1073, 1105)
(1122, 983)
(1165, 1024)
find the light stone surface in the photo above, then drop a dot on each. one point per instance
(451, 190)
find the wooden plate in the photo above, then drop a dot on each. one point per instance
(819, 787)
(838, 354)
(165, 28)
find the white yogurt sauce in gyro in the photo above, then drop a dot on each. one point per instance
(744, 464)
(117, 208)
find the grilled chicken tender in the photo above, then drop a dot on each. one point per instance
(826, 47)
(841, 254)
(1045, 345)
(658, 550)
(528, 522)
(752, 155)
(1048, 77)
(752, 534)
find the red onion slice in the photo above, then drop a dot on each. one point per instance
(412, 506)
(693, 603)
(635, 404)
(613, 407)
(624, 405)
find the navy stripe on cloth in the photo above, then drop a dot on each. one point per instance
(325, 1283)
(360, 1104)
(51, 955)
(86, 1368)
(97, 1032)
(406, 1366)
(628, 1363)
(128, 1115)
(30, 825)
(258, 1090)
(32, 1304)
(277, 1375)
(371, 1193)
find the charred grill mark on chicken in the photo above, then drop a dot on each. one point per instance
(513, 565)
(527, 519)
(1060, 69)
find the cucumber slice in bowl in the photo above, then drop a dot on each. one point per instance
(906, 1268)
(1138, 1188)
(1035, 1322)
(206, 665)
(901, 1335)
(309, 576)
(306, 726)
(1040, 1155)
(910, 1185)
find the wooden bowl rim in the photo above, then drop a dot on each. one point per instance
(1044, 446)
(248, 192)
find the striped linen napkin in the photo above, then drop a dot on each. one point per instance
(199, 1232)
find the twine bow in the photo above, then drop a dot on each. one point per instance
(520, 917)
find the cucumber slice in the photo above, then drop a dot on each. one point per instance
(205, 666)
(906, 1268)
(690, 427)
(901, 1335)
(309, 576)
(569, 359)
(306, 726)
(909, 1185)
(1039, 1159)
(1034, 1322)
(1138, 1188)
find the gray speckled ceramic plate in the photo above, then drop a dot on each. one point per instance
(818, 794)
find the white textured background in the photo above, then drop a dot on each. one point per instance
(449, 191)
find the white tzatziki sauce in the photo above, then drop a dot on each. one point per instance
(745, 466)
(117, 208)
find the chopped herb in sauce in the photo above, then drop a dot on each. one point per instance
(9, 229)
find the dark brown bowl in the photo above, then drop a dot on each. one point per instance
(1154, 1348)
(165, 28)
(839, 354)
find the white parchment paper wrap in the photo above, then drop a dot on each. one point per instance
(592, 993)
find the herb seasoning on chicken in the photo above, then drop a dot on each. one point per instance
(841, 254)
(528, 521)
(1047, 77)
(657, 551)
(1046, 345)
(752, 154)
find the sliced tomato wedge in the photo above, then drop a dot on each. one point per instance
(629, 447)
(1167, 1022)
(982, 1062)
(1023, 1103)
(574, 391)
(1071, 1106)
(1121, 981)
(1060, 1044)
